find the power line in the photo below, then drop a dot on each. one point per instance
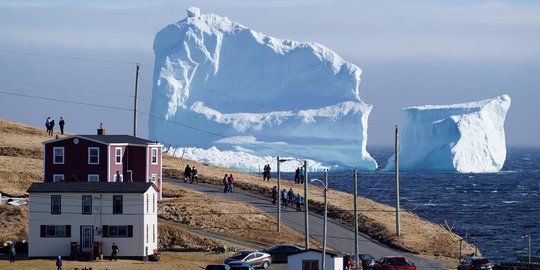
(66, 57)
(64, 88)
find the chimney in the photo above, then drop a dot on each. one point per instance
(100, 131)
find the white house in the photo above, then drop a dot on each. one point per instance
(310, 259)
(95, 215)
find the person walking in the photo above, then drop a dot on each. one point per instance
(115, 250)
(61, 123)
(290, 195)
(187, 173)
(48, 124)
(59, 263)
(274, 195)
(298, 202)
(225, 183)
(231, 183)
(12, 253)
(194, 176)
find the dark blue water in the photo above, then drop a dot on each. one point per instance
(494, 209)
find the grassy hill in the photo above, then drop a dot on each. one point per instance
(21, 164)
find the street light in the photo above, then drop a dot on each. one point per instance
(528, 236)
(325, 184)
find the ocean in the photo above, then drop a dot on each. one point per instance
(495, 210)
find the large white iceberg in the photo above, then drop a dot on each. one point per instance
(219, 83)
(467, 138)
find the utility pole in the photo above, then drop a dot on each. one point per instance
(279, 196)
(356, 259)
(135, 102)
(398, 229)
(325, 218)
(306, 211)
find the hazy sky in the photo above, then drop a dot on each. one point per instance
(411, 53)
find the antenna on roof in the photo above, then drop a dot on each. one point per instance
(100, 131)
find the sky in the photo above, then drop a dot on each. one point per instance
(76, 59)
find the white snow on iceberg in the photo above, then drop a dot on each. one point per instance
(217, 82)
(467, 138)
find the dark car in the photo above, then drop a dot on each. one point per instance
(240, 265)
(281, 252)
(394, 263)
(367, 261)
(217, 267)
(475, 263)
(253, 257)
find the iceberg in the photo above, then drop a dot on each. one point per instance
(465, 138)
(217, 83)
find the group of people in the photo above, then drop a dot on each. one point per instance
(266, 172)
(228, 183)
(191, 174)
(287, 198)
(49, 124)
(299, 175)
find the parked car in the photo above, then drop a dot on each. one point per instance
(240, 265)
(475, 263)
(281, 252)
(217, 267)
(256, 258)
(394, 263)
(367, 261)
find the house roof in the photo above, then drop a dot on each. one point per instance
(331, 254)
(90, 187)
(110, 139)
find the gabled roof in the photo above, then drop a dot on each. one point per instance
(331, 254)
(90, 187)
(110, 139)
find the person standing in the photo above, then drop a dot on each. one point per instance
(264, 172)
(298, 202)
(115, 250)
(274, 195)
(268, 174)
(51, 128)
(61, 123)
(225, 183)
(290, 194)
(187, 173)
(194, 176)
(284, 198)
(297, 176)
(12, 253)
(59, 263)
(231, 183)
(302, 173)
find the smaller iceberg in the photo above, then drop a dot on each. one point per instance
(465, 138)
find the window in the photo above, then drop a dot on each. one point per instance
(118, 204)
(154, 232)
(147, 233)
(154, 155)
(58, 155)
(93, 178)
(117, 231)
(154, 203)
(118, 155)
(86, 205)
(154, 178)
(147, 204)
(55, 231)
(57, 178)
(310, 265)
(55, 204)
(93, 155)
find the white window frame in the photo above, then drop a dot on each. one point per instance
(154, 156)
(117, 156)
(63, 155)
(90, 176)
(153, 178)
(89, 150)
(58, 178)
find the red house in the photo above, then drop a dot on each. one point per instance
(103, 158)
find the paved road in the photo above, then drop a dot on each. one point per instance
(339, 237)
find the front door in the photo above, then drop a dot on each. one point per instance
(87, 237)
